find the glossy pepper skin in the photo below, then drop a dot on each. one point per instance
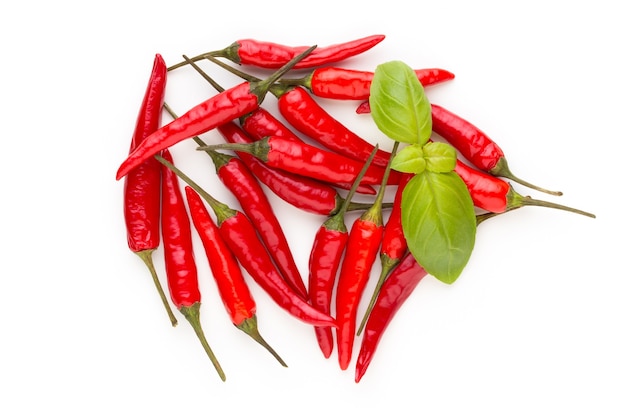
(180, 264)
(348, 84)
(475, 145)
(362, 249)
(255, 204)
(264, 54)
(303, 112)
(304, 193)
(232, 287)
(328, 247)
(310, 161)
(401, 282)
(142, 186)
(261, 123)
(223, 107)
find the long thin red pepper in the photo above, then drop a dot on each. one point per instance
(307, 116)
(475, 145)
(349, 84)
(326, 253)
(223, 107)
(307, 160)
(495, 195)
(302, 192)
(363, 244)
(393, 246)
(254, 202)
(393, 293)
(142, 186)
(271, 55)
(260, 123)
(233, 289)
(241, 237)
(180, 265)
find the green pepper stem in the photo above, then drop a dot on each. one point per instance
(222, 211)
(249, 327)
(192, 314)
(387, 265)
(374, 213)
(516, 200)
(501, 169)
(146, 257)
(206, 76)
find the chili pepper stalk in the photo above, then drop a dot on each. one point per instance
(326, 253)
(221, 108)
(241, 237)
(234, 292)
(182, 273)
(361, 250)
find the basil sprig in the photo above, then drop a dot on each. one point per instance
(438, 217)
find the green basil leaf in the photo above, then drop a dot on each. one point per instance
(439, 223)
(439, 156)
(399, 104)
(409, 159)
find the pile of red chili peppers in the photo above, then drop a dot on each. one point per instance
(308, 162)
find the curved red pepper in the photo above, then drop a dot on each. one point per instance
(248, 191)
(142, 186)
(270, 55)
(225, 106)
(393, 293)
(304, 113)
(180, 265)
(231, 285)
(474, 144)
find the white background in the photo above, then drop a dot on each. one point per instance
(534, 326)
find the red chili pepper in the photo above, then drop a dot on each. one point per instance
(248, 191)
(495, 195)
(261, 123)
(349, 84)
(307, 160)
(393, 293)
(241, 237)
(393, 246)
(363, 244)
(142, 186)
(326, 253)
(180, 265)
(304, 193)
(225, 106)
(273, 55)
(234, 291)
(475, 145)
